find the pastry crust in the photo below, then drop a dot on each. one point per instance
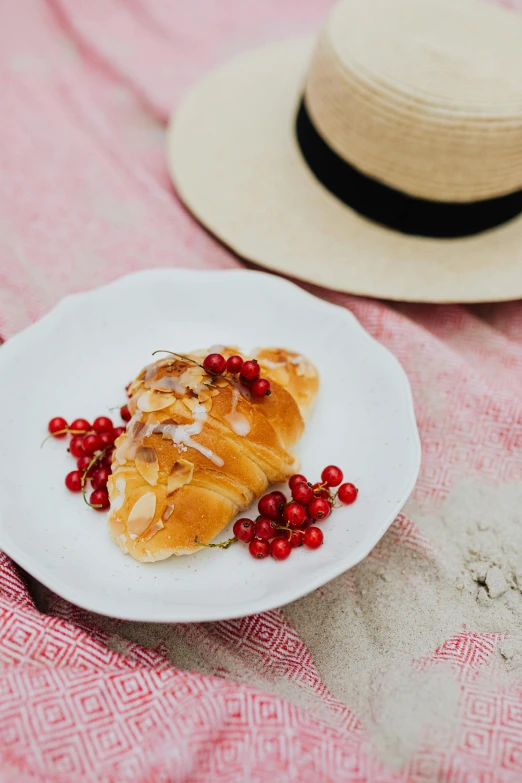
(199, 449)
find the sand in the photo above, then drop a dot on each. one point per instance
(369, 630)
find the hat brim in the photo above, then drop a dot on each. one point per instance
(233, 156)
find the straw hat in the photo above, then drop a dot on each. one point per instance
(385, 159)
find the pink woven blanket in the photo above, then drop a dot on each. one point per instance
(407, 669)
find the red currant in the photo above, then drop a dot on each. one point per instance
(249, 371)
(296, 479)
(264, 529)
(313, 537)
(106, 438)
(56, 425)
(117, 432)
(73, 481)
(76, 446)
(302, 493)
(320, 491)
(244, 530)
(83, 463)
(261, 387)
(100, 478)
(106, 461)
(294, 514)
(332, 475)
(215, 364)
(279, 497)
(234, 364)
(319, 508)
(102, 424)
(296, 538)
(125, 413)
(259, 549)
(280, 533)
(91, 444)
(271, 505)
(347, 493)
(81, 425)
(99, 498)
(280, 548)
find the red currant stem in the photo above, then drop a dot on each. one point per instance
(93, 461)
(321, 488)
(222, 545)
(63, 432)
(179, 356)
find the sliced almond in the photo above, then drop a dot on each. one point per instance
(181, 474)
(137, 428)
(169, 432)
(153, 529)
(203, 395)
(192, 377)
(191, 403)
(221, 382)
(141, 515)
(180, 412)
(154, 401)
(147, 464)
(207, 405)
(168, 512)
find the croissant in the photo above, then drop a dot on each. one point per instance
(199, 449)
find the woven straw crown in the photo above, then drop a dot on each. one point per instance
(422, 95)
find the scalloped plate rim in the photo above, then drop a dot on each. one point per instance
(70, 592)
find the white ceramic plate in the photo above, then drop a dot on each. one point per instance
(77, 360)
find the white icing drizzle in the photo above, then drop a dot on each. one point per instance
(237, 421)
(182, 433)
(133, 439)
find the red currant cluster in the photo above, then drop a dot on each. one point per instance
(284, 525)
(248, 371)
(92, 446)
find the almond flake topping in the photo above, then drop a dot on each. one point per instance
(141, 515)
(153, 529)
(147, 464)
(181, 474)
(154, 401)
